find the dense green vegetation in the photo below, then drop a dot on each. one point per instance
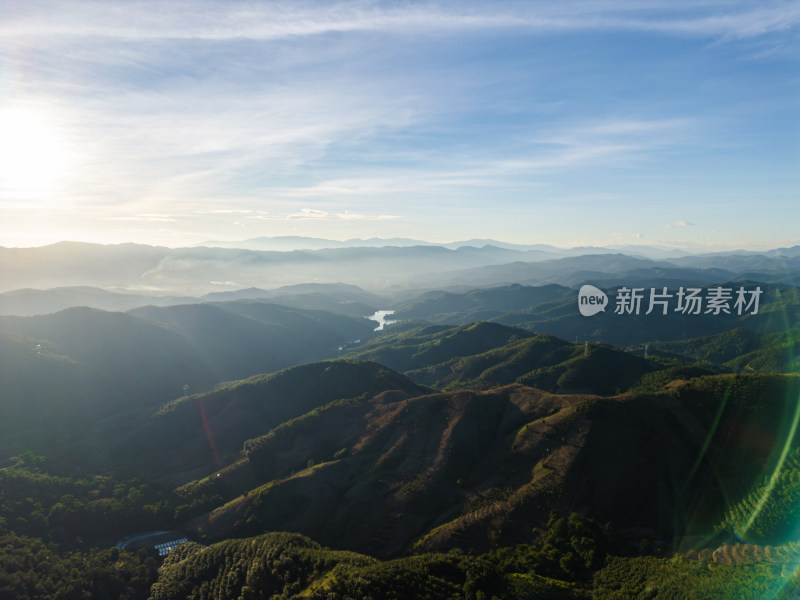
(78, 511)
(568, 560)
(56, 532)
(771, 512)
(206, 431)
(570, 549)
(681, 579)
(31, 569)
(406, 348)
(276, 564)
(558, 316)
(478, 305)
(485, 355)
(380, 474)
(741, 350)
(292, 566)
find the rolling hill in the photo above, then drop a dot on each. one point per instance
(204, 432)
(484, 355)
(390, 473)
(66, 372)
(479, 304)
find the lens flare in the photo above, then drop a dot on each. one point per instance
(209, 437)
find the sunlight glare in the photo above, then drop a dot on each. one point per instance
(34, 157)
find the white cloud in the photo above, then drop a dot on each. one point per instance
(678, 224)
(309, 213)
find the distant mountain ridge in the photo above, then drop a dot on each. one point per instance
(334, 297)
(200, 270)
(196, 271)
(285, 243)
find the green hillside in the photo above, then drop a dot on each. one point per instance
(416, 347)
(419, 480)
(770, 513)
(504, 459)
(203, 432)
(84, 376)
(281, 565)
(498, 366)
(740, 350)
(242, 338)
(478, 305)
(779, 311)
(475, 470)
(485, 355)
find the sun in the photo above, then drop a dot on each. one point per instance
(34, 155)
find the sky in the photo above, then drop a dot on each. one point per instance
(567, 123)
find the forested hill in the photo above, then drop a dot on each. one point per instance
(61, 374)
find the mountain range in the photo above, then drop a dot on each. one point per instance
(196, 271)
(491, 442)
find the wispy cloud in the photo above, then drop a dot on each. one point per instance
(321, 215)
(181, 20)
(155, 218)
(184, 144)
(311, 213)
(227, 211)
(618, 143)
(678, 224)
(271, 115)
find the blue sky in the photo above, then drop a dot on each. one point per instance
(534, 122)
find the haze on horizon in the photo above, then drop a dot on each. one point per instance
(566, 123)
